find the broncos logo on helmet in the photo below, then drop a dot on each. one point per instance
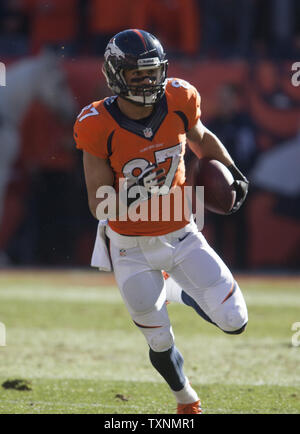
(113, 50)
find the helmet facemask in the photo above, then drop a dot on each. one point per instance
(145, 95)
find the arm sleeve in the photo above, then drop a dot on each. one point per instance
(88, 136)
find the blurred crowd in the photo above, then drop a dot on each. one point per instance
(238, 53)
(214, 28)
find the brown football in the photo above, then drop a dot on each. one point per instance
(219, 193)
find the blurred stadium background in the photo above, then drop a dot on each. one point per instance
(238, 53)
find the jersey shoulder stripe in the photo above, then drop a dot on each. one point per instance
(184, 119)
(184, 100)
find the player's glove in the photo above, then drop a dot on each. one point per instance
(241, 185)
(146, 184)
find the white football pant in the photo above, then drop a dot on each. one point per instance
(186, 256)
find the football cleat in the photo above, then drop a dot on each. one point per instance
(193, 408)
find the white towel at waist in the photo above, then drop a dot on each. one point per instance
(100, 256)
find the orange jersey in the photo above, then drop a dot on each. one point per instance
(102, 130)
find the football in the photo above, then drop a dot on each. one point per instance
(219, 193)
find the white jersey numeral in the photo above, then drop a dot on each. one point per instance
(160, 157)
(92, 112)
(132, 165)
(180, 83)
(163, 155)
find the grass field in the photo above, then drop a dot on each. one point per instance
(69, 335)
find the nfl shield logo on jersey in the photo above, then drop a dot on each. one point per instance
(148, 132)
(122, 252)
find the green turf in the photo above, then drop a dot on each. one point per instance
(70, 335)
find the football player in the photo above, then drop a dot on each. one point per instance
(140, 135)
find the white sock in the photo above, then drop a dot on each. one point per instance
(187, 395)
(173, 291)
